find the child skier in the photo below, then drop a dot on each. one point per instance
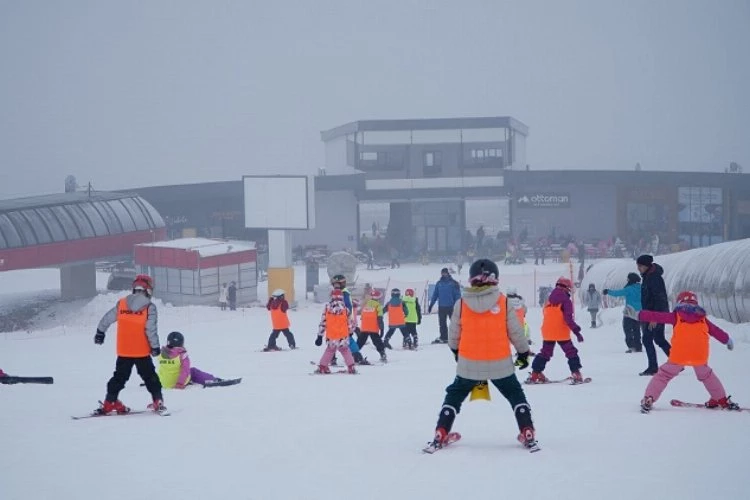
(482, 329)
(137, 340)
(175, 370)
(338, 282)
(278, 306)
(335, 326)
(690, 339)
(518, 305)
(413, 317)
(557, 323)
(631, 327)
(397, 312)
(592, 299)
(372, 324)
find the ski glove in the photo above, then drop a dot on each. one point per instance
(578, 335)
(319, 341)
(99, 337)
(522, 360)
(155, 351)
(605, 291)
(455, 354)
(730, 344)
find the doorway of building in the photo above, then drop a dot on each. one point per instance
(436, 239)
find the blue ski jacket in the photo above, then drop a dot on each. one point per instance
(446, 293)
(632, 294)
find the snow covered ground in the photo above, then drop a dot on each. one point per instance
(283, 434)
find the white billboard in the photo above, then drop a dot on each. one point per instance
(277, 202)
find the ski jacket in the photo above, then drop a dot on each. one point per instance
(489, 329)
(592, 299)
(334, 323)
(689, 335)
(632, 294)
(653, 290)
(136, 320)
(372, 317)
(413, 311)
(396, 311)
(447, 291)
(557, 320)
(232, 293)
(223, 295)
(278, 308)
(174, 367)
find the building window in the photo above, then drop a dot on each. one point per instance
(700, 215)
(485, 157)
(433, 159)
(368, 156)
(381, 159)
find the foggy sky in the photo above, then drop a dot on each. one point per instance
(127, 94)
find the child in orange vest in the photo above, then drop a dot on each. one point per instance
(278, 306)
(336, 327)
(557, 324)
(372, 324)
(397, 312)
(689, 348)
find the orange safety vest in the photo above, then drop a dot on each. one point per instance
(689, 343)
(396, 315)
(279, 319)
(337, 325)
(554, 327)
(370, 319)
(484, 336)
(131, 331)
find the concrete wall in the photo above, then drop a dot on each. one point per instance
(78, 281)
(592, 212)
(336, 222)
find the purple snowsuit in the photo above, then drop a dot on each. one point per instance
(187, 373)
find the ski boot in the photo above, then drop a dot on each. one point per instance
(364, 361)
(527, 438)
(576, 377)
(439, 341)
(383, 357)
(647, 404)
(415, 342)
(334, 362)
(271, 348)
(440, 436)
(322, 369)
(648, 372)
(593, 324)
(537, 378)
(351, 369)
(157, 406)
(723, 404)
(108, 407)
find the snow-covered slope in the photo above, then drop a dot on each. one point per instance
(283, 434)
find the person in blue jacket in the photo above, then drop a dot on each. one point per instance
(631, 327)
(446, 293)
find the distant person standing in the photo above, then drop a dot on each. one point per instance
(592, 299)
(446, 293)
(653, 298)
(232, 296)
(223, 297)
(631, 327)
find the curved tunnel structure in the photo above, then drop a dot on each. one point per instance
(719, 274)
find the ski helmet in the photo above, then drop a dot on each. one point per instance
(409, 292)
(143, 283)
(278, 293)
(564, 282)
(512, 290)
(483, 272)
(376, 294)
(395, 292)
(634, 278)
(175, 339)
(592, 286)
(687, 297)
(339, 281)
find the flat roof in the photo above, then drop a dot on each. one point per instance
(204, 246)
(425, 124)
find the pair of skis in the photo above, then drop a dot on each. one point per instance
(566, 380)
(453, 437)
(684, 404)
(96, 414)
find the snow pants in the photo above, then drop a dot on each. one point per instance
(337, 345)
(458, 391)
(275, 334)
(651, 336)
(392, 330)
(545, 354)
(443, 314)
(632, 329)
(124, 367)
(200, 377)
(668, 371)
(411, 329)
(376, 340)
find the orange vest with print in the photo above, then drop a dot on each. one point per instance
(337, 325)
(279, 319)
(396, 315)
(554, 327)
(131, 331)
(484, 336)
(370, 318)
(689, 343)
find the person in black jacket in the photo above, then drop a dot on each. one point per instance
(653, 298)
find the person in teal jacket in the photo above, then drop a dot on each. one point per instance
(413, 317)
(631, 327)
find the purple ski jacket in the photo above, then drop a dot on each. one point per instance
(561, 297)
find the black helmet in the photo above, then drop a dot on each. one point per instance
(175, 339)
(483, 271)
(395, 292)
(339, 280)
(633, 278)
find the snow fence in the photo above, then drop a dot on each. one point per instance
(719, 274)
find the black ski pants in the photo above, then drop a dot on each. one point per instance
(124, 367)
(376, 340)
(632, 329)
(653, 336)
(509, 387)
(443, 314)
(275, 334)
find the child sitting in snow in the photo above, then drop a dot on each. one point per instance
(175, 371)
